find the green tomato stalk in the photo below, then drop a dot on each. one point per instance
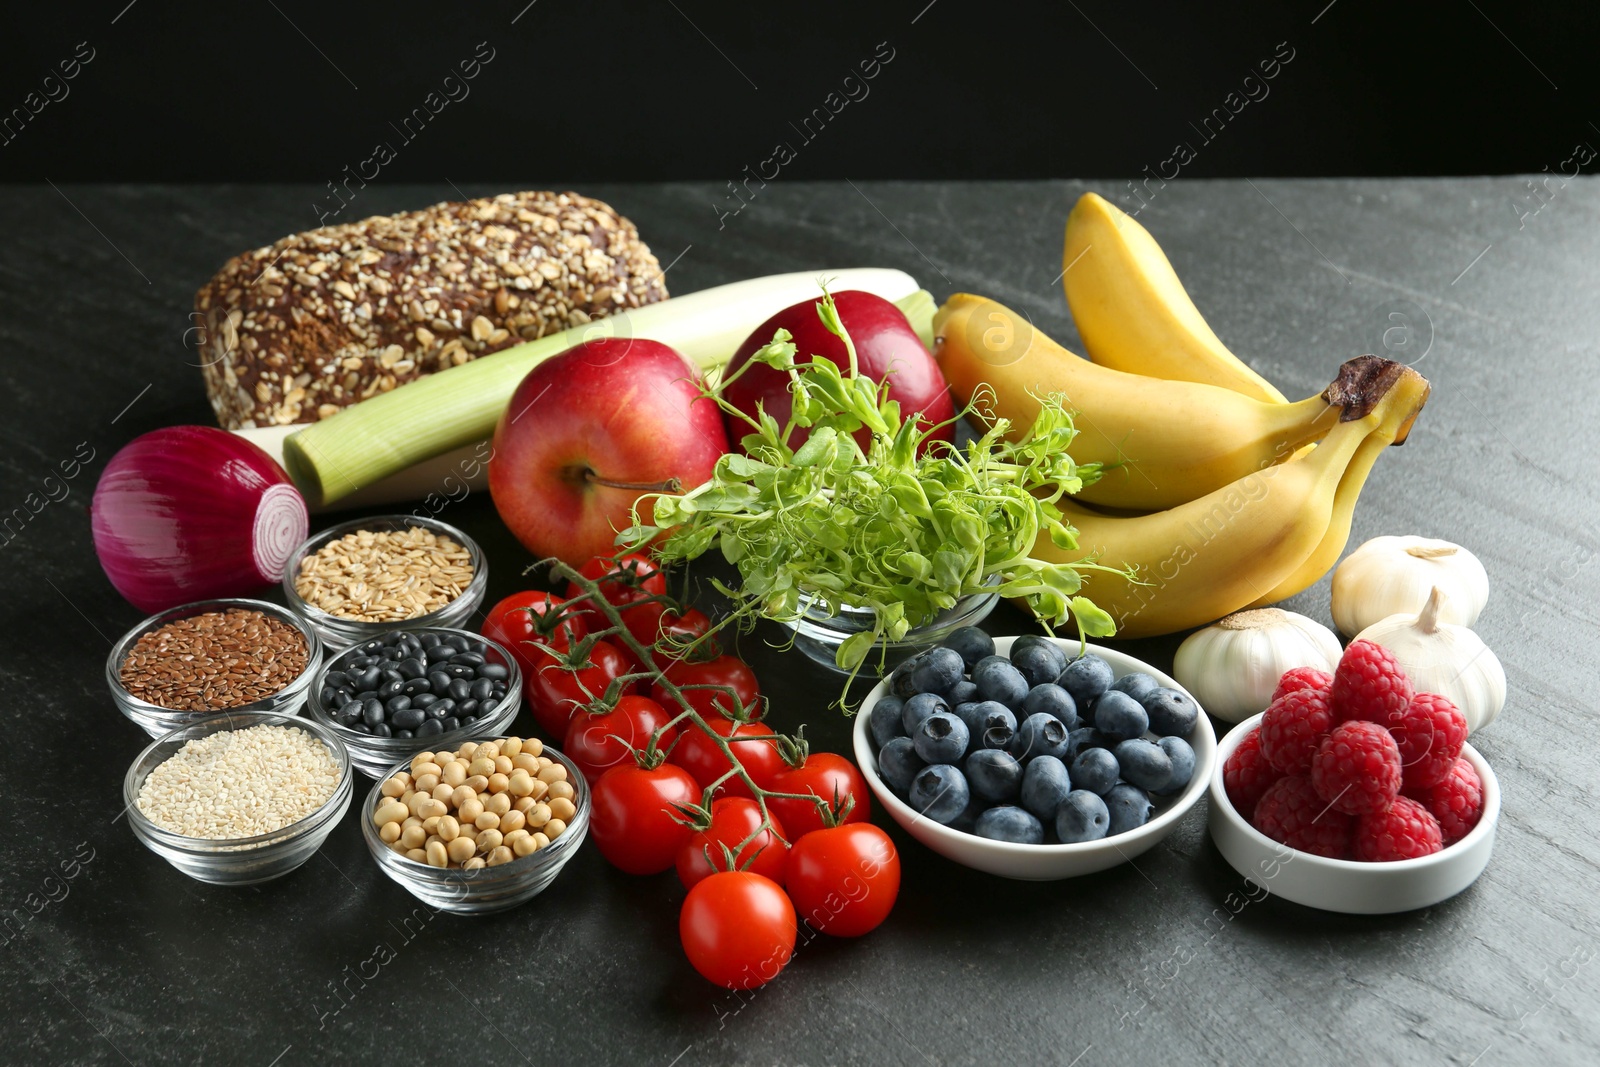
(904, 529)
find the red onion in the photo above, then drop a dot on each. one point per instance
(192, 512)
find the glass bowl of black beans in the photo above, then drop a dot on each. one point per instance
(427, 687)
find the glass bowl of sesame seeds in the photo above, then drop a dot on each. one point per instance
(189, 663)
(240, 797)
(363, 578)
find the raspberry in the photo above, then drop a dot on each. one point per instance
(1303, 678)
(1246, 775)
(1291, 813)
(1403, 832)
(1357, 768)
(1429, 733)
(1292, 728)
(1369, 685)
(1457, 802)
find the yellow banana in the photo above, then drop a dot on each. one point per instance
(1243, 543)
(1132, 311)
(1175, 440)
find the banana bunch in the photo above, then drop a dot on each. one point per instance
(1213, 500)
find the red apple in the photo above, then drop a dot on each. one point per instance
(887, 348)
(591, 430)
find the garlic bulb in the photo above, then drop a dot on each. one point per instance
(1233, 665)
(1440, 657)
(1392, 576)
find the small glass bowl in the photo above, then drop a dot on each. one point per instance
(158, 721)
(240, 860)
(337, 632)
(372, 754)
(819, 636)
(487, 889)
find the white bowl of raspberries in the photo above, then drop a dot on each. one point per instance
(1059, 764)
(1353, 793)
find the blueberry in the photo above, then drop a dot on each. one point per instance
(1129, 808)
(1096, 770)
(963, 692)
(1182, 757)
(940, 792)
(884, 720)
(900, 679)
(997, 679)
(1120, 716)
(971, 643)
(1037, 659)
(919, 707)
(1040, 735)
(1083, 739)
(967, 821)
(898, 762)
(937, 671)
(1086, 678)
(989, 724)
(1136, 685)
(1082, 817)
(1172, 714)
(941, 738)
(994, 775)
(1051, 699)
(1045, 784)
(1144, 764)
(1010, 823)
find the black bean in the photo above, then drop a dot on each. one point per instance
(429, 640)
(452, 723)
(408, 718)
(499, 689)
(382, 730)
(439, 653)
(440, 708)
(367, 694)
(330, 696)
(389, 689)
(414, 686)
(467, 707)
(458, 642)
(471, 659)
(495, 671)
(412, 668)
(460, 670)
(429, 728)
(439, 682)
(370, 678)
(392, 637)
(372, 712)
(356, 663)
(482, 688)
(349, 714)
(487, 706)
(336, 679)
(394, 655)
(362, 727)
(422, 700)
(404, 733)
(399, 703)
(343, 696)
(460, 688)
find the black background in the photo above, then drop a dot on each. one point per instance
(292, 90)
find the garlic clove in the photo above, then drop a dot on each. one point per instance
(1444, 658)
(1393, 575)
(1233, 665)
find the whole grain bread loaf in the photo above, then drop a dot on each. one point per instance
(324, 319)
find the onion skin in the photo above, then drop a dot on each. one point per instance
(191, 513)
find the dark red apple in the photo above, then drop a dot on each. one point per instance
(887, 349)
(591, 430)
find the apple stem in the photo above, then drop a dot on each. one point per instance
(671, 485)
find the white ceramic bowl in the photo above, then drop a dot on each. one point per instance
(1350, 886)
(1043, 863)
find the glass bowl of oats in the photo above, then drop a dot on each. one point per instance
(363, 578)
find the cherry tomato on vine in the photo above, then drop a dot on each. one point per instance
(596, 743)
(703, 758)
(555, 693)
(733, 820)
(731, 678)
(631, 816)
(515, 621)
(844, 880)
(738, 929)
(824, 774)
(624, 582)
(677, 629)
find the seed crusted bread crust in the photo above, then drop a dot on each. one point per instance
(320, 320)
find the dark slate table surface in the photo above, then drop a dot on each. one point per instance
(130, 962)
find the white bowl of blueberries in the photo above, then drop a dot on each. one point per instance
(1024, 758)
